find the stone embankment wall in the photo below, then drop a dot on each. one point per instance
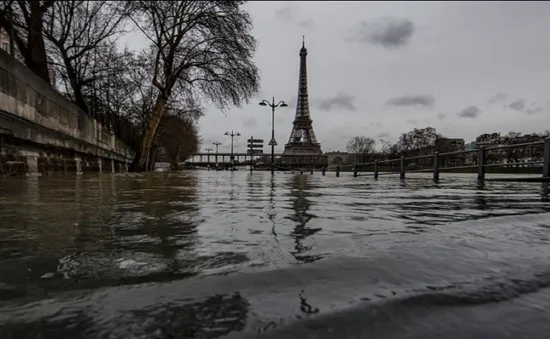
(42, 132)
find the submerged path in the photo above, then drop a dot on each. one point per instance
(202, 254)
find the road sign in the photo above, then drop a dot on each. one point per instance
(254, 152)
(255, 141)
(273, 142)
(255, 146)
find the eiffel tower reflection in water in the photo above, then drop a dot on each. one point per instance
(300, 193)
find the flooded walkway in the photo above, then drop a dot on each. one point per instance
(209, 254)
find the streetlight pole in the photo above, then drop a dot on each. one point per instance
(232, 135)
(273, 142)
(217, 143)
(208, 150)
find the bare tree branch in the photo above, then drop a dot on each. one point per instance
(24, 19)
(80, 32)
(202, 48)
(361, 147)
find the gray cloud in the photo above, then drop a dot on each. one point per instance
(383, 135)
(376, 124)
(469, 112)
(306, 23)
(521, 105)
(340, 101)
(441, 116)
(387, 32)
(501, 97)
(534, 110)
(286, 14)
(412, 122)
(422, 100)
(518, 105)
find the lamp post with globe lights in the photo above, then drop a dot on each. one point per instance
(272, 142)
(232, 135)
(208, 150)
(217, 143)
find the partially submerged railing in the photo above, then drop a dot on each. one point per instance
(481, 161)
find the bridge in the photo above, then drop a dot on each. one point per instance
(295, 160)
(42, 132)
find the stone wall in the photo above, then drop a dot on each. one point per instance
(338, 158)
(42, 131)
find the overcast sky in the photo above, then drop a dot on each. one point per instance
(379, 69)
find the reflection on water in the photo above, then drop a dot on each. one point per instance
(212, 317)
(299, 191)
(205, 254)
(272, 213)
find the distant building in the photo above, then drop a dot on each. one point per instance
(498, 154)
(488, 139)
(339, 158)
(471, 146)
(470, 158)
(449, 144)
(444, 145)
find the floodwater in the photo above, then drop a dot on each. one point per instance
(207, 254)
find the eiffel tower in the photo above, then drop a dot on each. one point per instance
(302, 137)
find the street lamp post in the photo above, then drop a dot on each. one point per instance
(208, 150)
(273, 142)
(217, 143)
(232, 135)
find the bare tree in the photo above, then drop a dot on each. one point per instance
(82, 35)
(139, 97)
(107, 94)
(361, 147)
(205, 46)
(418, 141)
(23, 19)
(388, 150)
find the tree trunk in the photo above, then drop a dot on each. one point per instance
(151, 131)
(176, 159)
(75, 84)
(36, 58)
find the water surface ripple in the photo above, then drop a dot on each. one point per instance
(209, 254)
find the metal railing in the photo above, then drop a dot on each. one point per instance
(236, 154)
(480, 163)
